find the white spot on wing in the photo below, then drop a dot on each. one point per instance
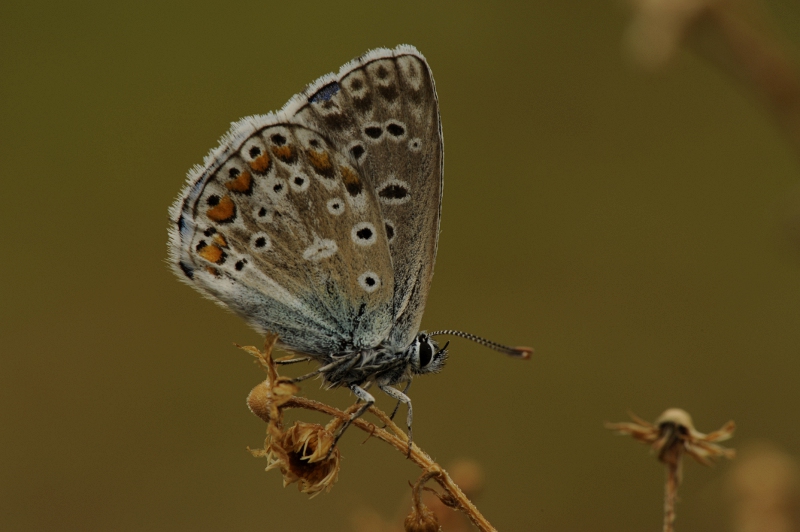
(299, 182)
(322, 248)
(276, 187)
(335, 206)
(260, 242)
(388, 186)
(369, 281)
(363, 234)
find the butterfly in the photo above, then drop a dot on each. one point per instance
(320, 222)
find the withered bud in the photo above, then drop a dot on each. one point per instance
(302, 454)
(265, 400)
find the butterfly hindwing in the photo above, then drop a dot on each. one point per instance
(273, 232)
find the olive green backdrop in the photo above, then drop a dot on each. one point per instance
(626, 225)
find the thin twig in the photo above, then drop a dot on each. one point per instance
(670, 496)
(269, 399)
(400, 442)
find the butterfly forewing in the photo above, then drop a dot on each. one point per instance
(384, 114)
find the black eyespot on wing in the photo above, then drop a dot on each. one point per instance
(425, 354)
(373, 132)
(200, 245)
(234, 172)
(395, 129)
(240, 264)
(389, 232)
(382, 72)
(260, 242)
(213, 200)
(354, 188)
(357, 151)
(262, 212)
(299, 181)
(210, 231)
(254, 152)
(356, 84)
(278, 139)
(364, 234)
(393, 192)
(278, 187)
(314, 142)
(370, 281)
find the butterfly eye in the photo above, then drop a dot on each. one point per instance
(425, 354)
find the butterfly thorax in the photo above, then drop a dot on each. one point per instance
(384, 365)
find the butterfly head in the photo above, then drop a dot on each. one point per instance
(425, 355)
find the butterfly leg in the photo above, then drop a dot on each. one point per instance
(292, 360)
(401, 397)
(368, 401)
(397, 406)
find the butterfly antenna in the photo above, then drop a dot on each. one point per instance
(518, 352)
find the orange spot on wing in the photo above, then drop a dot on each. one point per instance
(286, 153)
(212, 253)
(351, 181)
(320, 160)
(349, 177)
(242, 183)
(224, 211)
(261, 164)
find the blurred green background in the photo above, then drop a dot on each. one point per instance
(626, 225)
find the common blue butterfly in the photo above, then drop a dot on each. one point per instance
(320, 223)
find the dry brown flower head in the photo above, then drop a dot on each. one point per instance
(670, 437)
(303, 452)
(673, 434)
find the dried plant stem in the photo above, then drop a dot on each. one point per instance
(671, 496)
(758, 58)
(453, 496)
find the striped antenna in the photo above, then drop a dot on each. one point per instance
(517, 352)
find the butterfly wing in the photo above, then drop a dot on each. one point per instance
(383, 109)
(279, 227)
(320, 222)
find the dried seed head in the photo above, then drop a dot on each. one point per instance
(673, 434)
(301, 453)
(421, 520)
